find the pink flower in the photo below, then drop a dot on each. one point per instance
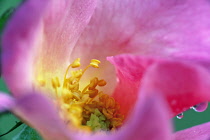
(159, 50)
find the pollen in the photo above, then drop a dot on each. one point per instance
(86, 108)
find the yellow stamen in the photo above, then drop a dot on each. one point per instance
(78, 105)
(94, 63)
(76, 63)
(93, 83)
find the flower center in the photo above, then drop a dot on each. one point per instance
(86, 108)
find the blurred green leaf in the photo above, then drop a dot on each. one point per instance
(4, 18)
(7, 4)
(13, 128)
(27, 133)
(3, 86)
(7, 7)
(4, 113)
(8, 121)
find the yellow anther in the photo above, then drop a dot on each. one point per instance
(79, 103)
(101, 83)
(71, 80)
(94, 63)
(93, 83)
(74, 87)
(103, 97)
(108, 116)
(66, 95)
(111, 111)
(116, 122)
(76, 108)
(89, 109)
(76, 63)
(92, 93)
(110, 103)
(77, 74)
(55, 82)
(85, 97)
(76, 95)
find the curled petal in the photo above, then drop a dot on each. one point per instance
(200, 132)
(183, 84)
(130, 70)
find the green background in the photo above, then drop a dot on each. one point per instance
(8, 120)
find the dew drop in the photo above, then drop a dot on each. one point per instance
(200, 107)
(180, 116)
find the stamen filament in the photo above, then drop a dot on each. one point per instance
(86, 108)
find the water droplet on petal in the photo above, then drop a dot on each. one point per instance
(200, 107)
(180, 116)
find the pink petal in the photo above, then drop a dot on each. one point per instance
(182, 83)
(37, 110)
(130, 70)
(18, 41)
(6, 102)
(144, 123)
(146, 27)
(39, 39)
(200, 132)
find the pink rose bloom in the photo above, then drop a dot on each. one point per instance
(154, 59)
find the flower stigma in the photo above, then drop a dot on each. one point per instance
(87, 108)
